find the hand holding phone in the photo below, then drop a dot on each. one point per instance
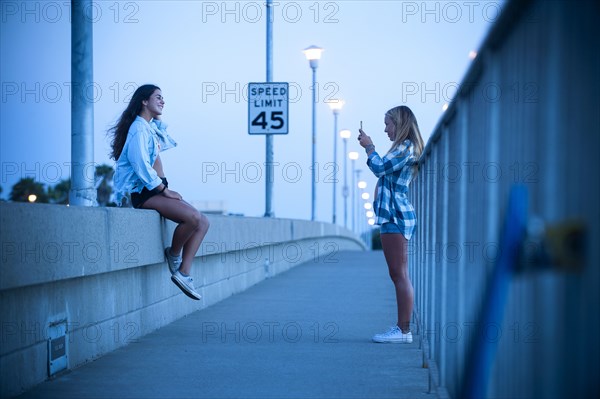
(363, 139)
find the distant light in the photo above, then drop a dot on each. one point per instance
(362, 184)
(353, 155)
(370, 214)
(313, 53)
(472, 54)
(445, 107)
(32, 198)
(368, 205)
(345, 134)
(371, 221)
(336, 105)
(365, 196)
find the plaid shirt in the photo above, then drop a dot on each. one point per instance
(391, 203)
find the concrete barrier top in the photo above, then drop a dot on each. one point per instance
(43, 242)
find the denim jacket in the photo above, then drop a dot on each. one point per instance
(133, 171)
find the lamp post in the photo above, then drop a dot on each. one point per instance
(336, 107)
(367, 224)
(345, 134)
(82, 191)
(365, 206)
(313, 54)
(353, 155)
(357, 172)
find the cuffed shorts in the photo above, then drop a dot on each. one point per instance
(138, 199)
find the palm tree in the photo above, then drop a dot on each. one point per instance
(104, 175)
(26, 188)
(59, 194)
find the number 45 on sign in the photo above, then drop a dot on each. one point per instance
(268, 108)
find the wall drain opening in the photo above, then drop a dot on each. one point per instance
(57, 347)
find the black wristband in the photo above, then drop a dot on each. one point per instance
(163, 190)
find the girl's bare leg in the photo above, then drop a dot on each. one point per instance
(190, 231)
(396, 255)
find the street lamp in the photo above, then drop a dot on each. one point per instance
(336, 107)
(313, 54)
(345, 134)
(353, 155)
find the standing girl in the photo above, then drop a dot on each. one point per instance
(138, 138)
(394, 212)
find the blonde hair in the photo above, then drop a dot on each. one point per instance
(406, 128)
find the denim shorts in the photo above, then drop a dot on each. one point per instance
(138, 199)
(390, 228)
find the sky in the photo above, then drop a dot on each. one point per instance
(377, 55)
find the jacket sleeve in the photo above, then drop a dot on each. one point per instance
(393, 162)
(139, 157)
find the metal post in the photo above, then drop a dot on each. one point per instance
(353, 195)
(269, 137)
(314, 139)
(335, 165)
(356, 227)
(83, 191)
(345, 189)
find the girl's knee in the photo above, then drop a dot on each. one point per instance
(200, 221)
(399, 277)
(194, 219)
(204, 222)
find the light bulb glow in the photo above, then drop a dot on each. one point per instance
(313, 53)
(345, 134)
(336, 105)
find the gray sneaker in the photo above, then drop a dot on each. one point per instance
(173, 261)
(394, 336)
(186, 284)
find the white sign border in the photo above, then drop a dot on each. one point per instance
(287, 108)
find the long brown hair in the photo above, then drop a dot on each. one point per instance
(120, 130)
(406, 128)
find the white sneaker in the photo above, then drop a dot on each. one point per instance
(186, 284)
(173, 261)
(394, 336)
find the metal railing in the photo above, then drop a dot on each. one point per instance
(527, 115)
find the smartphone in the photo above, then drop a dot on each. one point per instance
(360, 125)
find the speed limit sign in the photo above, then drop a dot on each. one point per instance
(268, 108)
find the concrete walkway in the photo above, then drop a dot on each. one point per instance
(303, 334)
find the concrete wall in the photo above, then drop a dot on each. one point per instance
(102, 271)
